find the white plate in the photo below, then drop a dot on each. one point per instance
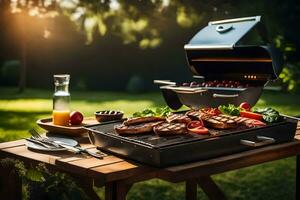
(32, 145)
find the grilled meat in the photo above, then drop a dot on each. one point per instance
(178, 118)
(138, 120)
(170, 129)
(218, 122)
(251, 123)
(136, 129)
(194, 114)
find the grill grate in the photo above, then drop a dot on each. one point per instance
(154, 141)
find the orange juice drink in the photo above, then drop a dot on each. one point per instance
(61, 117)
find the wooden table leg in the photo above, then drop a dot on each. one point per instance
(210, 188)
(298, 177)
(11, 184)
(110, 191)
(122, 190)
(116, 190)
(191, 189)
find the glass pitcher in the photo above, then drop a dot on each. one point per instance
(61, 100)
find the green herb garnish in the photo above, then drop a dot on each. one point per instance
(270, 115)
(156, 112)
(230, 110)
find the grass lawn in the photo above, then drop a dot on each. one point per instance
(274, 180)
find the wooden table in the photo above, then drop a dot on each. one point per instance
(117, 175)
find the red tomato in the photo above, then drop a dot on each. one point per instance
(199, 130)
(246, 106)
(76, 118)
(197, 127)
(251, 115)
(195, 124)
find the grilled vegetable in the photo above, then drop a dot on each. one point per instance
(251, 115)
(269, 115)
(199, 130)
(195, 124)
(197, 127)
(230, 109)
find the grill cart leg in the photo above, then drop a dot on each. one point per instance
(298, 177)
(210, 188)
(191, 189)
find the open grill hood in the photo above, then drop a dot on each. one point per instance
(219, 51)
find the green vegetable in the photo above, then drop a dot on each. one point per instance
(270, 115)
(230, 109)
(157, 112)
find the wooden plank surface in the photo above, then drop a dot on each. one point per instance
(230, 162)
(121, 170)
(12, 144)
(83, 165)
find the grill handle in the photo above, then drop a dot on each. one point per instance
(225, 95)
(263, 141)
(164, 82)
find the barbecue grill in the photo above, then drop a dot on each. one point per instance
(217, 52)
(221, 51)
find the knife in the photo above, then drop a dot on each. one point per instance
(80, 150)
(40, 143)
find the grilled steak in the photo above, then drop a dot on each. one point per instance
(138, 120)
(251, 123)
(178, 118)
(170, 129)
(194, 114)
(218, 122)
(136, 129)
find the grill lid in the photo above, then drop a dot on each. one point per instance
(218, 52)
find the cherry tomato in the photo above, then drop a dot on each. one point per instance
(251, 115)
(246, 106)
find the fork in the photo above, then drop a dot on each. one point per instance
(37, 136)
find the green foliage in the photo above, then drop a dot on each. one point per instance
(35, 175)
(290, 77)
(40, 183)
